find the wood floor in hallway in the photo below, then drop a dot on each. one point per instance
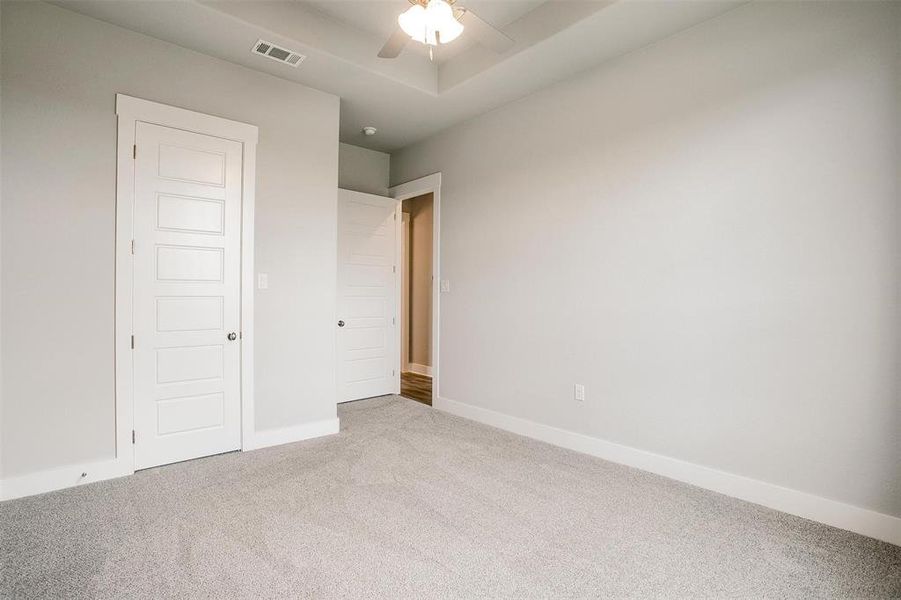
(416, 387)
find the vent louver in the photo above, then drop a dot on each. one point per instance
(282, 55)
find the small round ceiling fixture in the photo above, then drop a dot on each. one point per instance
(369, 130)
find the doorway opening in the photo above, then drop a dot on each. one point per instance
(385, 329)
(416, 298)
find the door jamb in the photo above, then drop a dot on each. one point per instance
(129, 111)
(403, 298)
(411, 189)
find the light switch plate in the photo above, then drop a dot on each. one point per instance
(263, 281)
(445, 285)
(579, 392)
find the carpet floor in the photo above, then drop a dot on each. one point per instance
(409, 502)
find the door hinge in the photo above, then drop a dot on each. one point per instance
(132, 436)
(393, 372)
(132, 246)
(134, 151)
(394, 268)
(132, 342)
(394, 320)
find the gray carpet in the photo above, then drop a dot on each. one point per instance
(408, 502)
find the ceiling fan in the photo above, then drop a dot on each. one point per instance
(434, 22)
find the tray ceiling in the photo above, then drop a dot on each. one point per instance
(410, 97)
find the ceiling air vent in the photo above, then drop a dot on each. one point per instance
(274, 52)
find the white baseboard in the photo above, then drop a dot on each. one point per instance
(70, 476)
(419, 369)
(63, 477)
(816, 508)
(287, 435)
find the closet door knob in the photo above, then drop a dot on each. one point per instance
(232, 336)
(340, 323)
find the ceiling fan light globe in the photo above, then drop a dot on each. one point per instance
(430, 24)
(438, 11)
(413, 22)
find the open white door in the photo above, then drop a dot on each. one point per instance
(187, 312)
(367, 296)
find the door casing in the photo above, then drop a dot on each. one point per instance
(404, 298)
(130, 111)
(430, 184)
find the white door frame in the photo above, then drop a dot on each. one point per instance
(129, 111)
(404, 297)
(411, 189)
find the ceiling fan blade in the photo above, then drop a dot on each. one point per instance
(395, 44)
(485, 33)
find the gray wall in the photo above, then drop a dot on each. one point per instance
(707, 234)
(363, 170)
(60, 74)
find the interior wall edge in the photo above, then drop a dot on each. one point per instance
(794, 502)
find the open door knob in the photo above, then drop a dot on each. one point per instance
(340, 323)
(232, 336)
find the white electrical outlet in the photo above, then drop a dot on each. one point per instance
(445, 285)
(579, 392)
(263, 281)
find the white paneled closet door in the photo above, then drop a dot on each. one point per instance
(187, 259)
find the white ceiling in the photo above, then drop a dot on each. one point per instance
(409, 98)
(378, 17)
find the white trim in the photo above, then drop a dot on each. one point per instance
(399, 300)
(419, 369)
(1, 335)
(71, 476)
(63, 477)
(404, 298)
(124, 297)
(816, 508)
(295, 433)
(411, 189)
(129, 111)
(137, 109)
(248, 208)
